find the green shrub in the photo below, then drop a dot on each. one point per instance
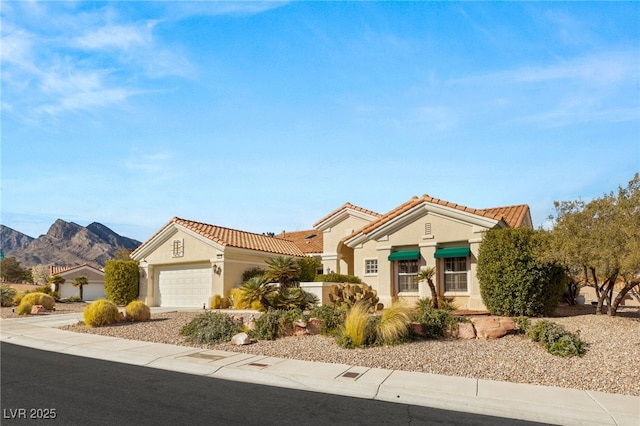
(46, 289)
(7, 294)
(275, 323)
(513, 279)
(308, 267)
(101, 312)
(556, 339)
(436, 322)
(138, 311)
(337, 278)
(18, 298)
(121, 281)
(37, 298)
(394, 324)
(332, 317)
(72, 299)
(215, 302)
(237, 298)
(211, 327)
(256, 271)
(522, 324)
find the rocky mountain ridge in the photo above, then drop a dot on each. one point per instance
(66, 243)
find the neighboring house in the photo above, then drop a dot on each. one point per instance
(387, 251)
(310, 242)
(92, 291)
(187, 262)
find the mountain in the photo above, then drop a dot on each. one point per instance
(66, 243)
(12, 239)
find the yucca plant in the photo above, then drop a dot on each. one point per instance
(394, 324)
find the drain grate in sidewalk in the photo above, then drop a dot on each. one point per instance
(209, 357)
(350, 375)
(257, 364)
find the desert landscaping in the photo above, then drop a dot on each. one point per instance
(609, 365)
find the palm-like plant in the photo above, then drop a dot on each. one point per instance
(257, 288)
(57, 281)
(80, 282)
(427, 275)
(284, 270)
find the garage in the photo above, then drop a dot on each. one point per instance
(184, 287)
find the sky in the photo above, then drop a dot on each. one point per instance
(267, 116)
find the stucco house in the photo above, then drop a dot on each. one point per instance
(387, 251)
(187, 262)
(92, 291)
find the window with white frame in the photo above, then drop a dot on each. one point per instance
(407, 273)
(455, 274)
(370, 266)
(177, 248)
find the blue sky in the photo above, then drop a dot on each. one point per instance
(267, 116)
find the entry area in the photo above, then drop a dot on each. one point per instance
(188, 287)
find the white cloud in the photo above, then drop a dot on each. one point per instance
(116, 37)
(53, 71)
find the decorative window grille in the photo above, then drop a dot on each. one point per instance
(177, 248)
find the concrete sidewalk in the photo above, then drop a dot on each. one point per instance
(510, 400)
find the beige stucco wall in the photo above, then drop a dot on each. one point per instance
(336, 258)
(227, 263)
(445, 232)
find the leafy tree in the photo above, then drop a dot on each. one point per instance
(514, 279)
(57, 281)
(11, 271)
(80, 282)
(427, 275)
(599, 242)
(122, 253)
(308, 268)
(284, 270)
(40, 274)
(121, 281)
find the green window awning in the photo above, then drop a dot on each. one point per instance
(452, 252)
(405, 255)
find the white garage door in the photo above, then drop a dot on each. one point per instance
(184, 287)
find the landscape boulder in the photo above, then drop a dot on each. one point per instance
(466, 331)
(241, 339)
(314, 325)
(492, 327)
(36, 309)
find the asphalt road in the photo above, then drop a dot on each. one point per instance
(49, 388)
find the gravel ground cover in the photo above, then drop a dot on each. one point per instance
(610, 365)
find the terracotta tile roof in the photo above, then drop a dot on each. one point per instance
(512, 216)
(308, 241)
(235, 238)
(57, 269)
(346, 206)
